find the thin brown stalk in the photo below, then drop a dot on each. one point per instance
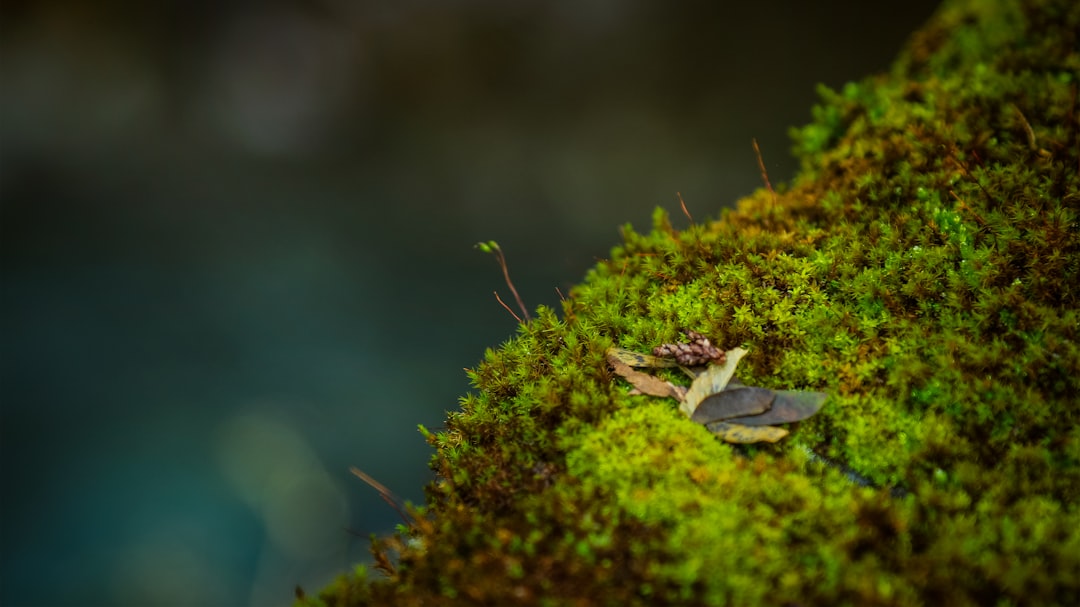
(764, 173)
(493, 247)
(682, 203)
(503, 304)
(510, 283)
(1032, 143)
(386, 494)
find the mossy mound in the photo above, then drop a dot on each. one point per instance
(922, 270)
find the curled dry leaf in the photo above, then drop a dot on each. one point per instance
(733, 402)
(634, 359)
(738, 433)
(645, 383)
(713, 380)
(758, 406)
(788, 406)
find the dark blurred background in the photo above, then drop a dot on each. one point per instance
(237, 246)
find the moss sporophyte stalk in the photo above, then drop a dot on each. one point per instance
(920, 270)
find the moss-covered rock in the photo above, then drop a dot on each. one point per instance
(922, 269)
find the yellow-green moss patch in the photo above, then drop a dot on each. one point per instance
(921, 270)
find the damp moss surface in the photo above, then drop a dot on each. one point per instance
(921, 269)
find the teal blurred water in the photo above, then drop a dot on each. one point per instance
(237, 248)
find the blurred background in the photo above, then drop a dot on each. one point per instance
(237, 246)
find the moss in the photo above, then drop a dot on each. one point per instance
(921, 269)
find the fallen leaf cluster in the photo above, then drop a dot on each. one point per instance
(735, 412)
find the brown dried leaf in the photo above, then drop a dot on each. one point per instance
(733, 402)
(738, 433)
(647, 384)
(788, 406)
(714, 379)
(634, 359)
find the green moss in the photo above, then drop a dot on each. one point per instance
(921, 269)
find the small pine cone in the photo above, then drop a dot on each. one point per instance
(699, 351)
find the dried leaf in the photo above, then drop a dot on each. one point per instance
(738, 433)
(634, 359)
(713, 380)
(734, 412)
(788, 406)
(733, 402)
(647, 384)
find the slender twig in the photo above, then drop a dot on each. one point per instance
(764, 173)
(510, 283)
(682, 203)
(503, 304)
(1032, 144)
(493, 247)
(386, 494)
